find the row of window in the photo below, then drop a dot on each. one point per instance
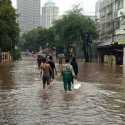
(111, 8)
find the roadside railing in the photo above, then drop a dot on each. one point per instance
(5, 57)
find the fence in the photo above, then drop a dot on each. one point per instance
(5, 57)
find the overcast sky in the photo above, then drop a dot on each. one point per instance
(64, 5)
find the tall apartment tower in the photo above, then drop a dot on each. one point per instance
(29, 14)
(49, 14)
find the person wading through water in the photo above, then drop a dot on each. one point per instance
(75, 67)
(52, 65)
(39, 61)
(45, 72)
(68, 74)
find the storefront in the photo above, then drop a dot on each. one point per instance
(112, 54)
(5, 57)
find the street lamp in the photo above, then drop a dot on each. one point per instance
(87, 45)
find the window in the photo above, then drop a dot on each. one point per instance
(119, 4)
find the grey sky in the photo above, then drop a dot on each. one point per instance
(64, 5)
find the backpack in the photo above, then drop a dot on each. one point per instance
(67, 74)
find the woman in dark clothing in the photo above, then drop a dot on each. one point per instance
(39, 61)
(75, 66)
(52, 65)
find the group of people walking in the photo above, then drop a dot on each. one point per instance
(68, 70)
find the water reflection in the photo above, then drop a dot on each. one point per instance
(68, 97)
(6, 77)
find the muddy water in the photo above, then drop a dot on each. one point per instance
(99, 101)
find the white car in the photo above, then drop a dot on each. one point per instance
(61, 55)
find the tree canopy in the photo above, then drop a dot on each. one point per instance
(37, 38)
(9, 29)
(73, 27)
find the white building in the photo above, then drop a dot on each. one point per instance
(111, 19)
(111, 28)
(50, 13)
(29, 14)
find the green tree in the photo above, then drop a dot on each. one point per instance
(37, 38)
(9, 29)
(30, 40)
(72, 28)
(46, 36)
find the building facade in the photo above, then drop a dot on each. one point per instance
(28, 14)
(50, 13)
(110, 20)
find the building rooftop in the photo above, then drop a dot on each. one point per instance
(50, 3)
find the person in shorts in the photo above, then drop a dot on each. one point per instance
(45, 72)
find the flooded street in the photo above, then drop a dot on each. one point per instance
(99, 101)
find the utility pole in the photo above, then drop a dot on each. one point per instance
(86, 46)
(112, 20)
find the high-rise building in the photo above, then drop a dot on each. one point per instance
(29, 14)
(49, 14)
(110, 17)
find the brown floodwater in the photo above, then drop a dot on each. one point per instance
(99, 101)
